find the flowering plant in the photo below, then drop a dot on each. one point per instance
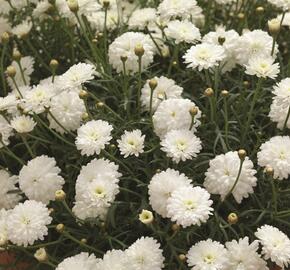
(145, 135)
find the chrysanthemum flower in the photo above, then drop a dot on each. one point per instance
(189, 206)
(40, 179)
(222, 174)
(27, 222)
(275, 154)
(162, 185)
(83, 261)
(275, 245)
(112, 260)
(23, 124)
(22, 29)
(283, 4)
(141, 18)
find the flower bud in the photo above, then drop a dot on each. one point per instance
(208, 92)
(241, 16)
(225, 93)
(182, 257)
(139, 50)
(260, 10)
(124, 58)
(242, 154)
(41, 255)
(175, 227)
(51, 210)
(84, 240)
(85, 116)
(5, 37)
(274, 26)
(60, 195)
(193, 111)
(269, 171)
(83, 94)
(153, 84)
(100, 104)
(73, 5)
(16, 55)
(146, 217)
(60, 228)
(221, 40)
(53, 64)
(233, 218)
(11, 71)
(246, 84)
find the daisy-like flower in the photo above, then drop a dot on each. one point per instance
(172, 8)
(189, 206)
(5, 131)
(41, 9)
(141, 18)
(131, 143)
(282, 93)
(23, 124)
(23, 29)
(207, 255)
(26, 63)
(112, 260)
(27, 222)
(8, 198)
(83, 261)
(222, 174)
(275, 245)
(278, 113)
(75, 76)
(283, 4)
(181, 145)
(166, 88)
(263, 67)
(124, 46)
(144, 254)
(38, 98)
(93, 137)
(174, 114)
(182, 31)
(9, 103)
(243, 255)
(162, 185)
(204, 56)
(67, 108)
(97, 19)
(40, 179)
(275, 154)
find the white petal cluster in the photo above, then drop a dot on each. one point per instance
(275, 154)
(222, 174)
(96, 188)
(189, 206)
(9, 103)
(22, 29)
(5, 131)
(182, 31)
(162, 185)
(7, 185)
(275, 245)
(141, 18)
(124, 46)
(263, 67)
(181, 145)
(67, 108)
(166, 88)
(283, 4)
(174, 114)
(40, 179)
(113, 260)
(41, 9)
(97, 20)
(244, 255)
(204, 56)
(208, 255)
(27, 222)
(131, 143)
(93, 137)
(23, 124)
(83, 261)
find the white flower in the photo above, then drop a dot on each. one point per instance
(207, 255)
(5, 131)
(67, 108)
(255, 43)
(278, 113)
(97, 20)
(181, 145)
(93, 137)
(38, 98)
(8, 197)
(23, 124)
(5, 7)
(140, 18)
(96, 188)
(222, 174)
(124, 46)
(41, 10)
(144, 254)
(276, 245)
(189, 206)
(22, 29)
(27, 222)
(131, 143)
(76, 75)
(112, 260)
(182, 31)
(282, 93)
(263, 67)
(9, 103)
(174, 114)
(82, 261)
(283, 4)
(166, 88)
(162, 185)
(173, 8)
(204, 56)
(275, 154)
(40, 179)
(26, 63)
(243, 255)
(3, 225)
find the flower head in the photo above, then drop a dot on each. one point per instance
(23, 124)
(83, 261)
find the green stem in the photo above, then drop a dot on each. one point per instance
(22, 73)
(226, 121)
(10, 153)
(139, 85)
(2, 70)
(286, 120)
(16, 86)
(27, 146)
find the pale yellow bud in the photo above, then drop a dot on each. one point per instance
(41, 255)
(60, 195)
(146, 217)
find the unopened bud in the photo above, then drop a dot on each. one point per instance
(73, 5)
(85, 116)
(53, 64)
(225, 93)
(182, 257)
(153, 84)
(175, 227)
(260, 10)
(60, 228)
(16, 55)
(60, 195)
(242, 154)
(139, 50)
(124, 58)
(193, 111)
(84, 240)
(241, 16)
(41, 255)
(146, 217)
(83, 94)
(233, 218)
(5, 37)
(221, 40)
(11, 71)
(208, 92)
(274, 26)
(269, 171)
(99, 104)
